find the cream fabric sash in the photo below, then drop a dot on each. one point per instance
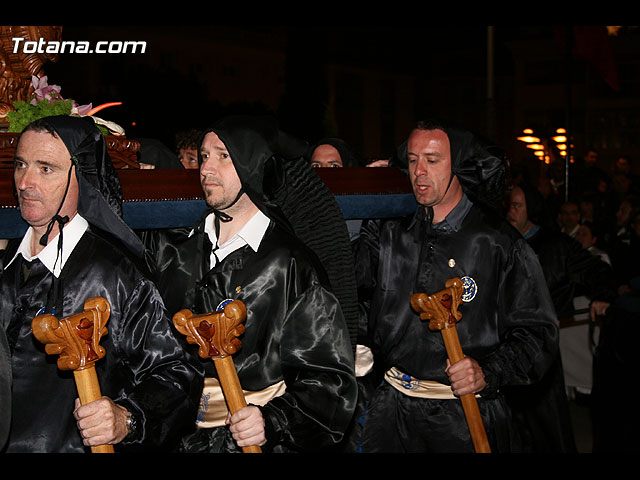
(364, 360)
(213, 407)
(418, 388)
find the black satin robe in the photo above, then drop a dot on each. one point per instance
(145, 368)
(570, 271)
(510, 326)
(294, 331)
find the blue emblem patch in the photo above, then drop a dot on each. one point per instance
(408, 381)
(223, 303)
(470, 289)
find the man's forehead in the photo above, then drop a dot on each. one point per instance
(326, 152)
(434, 141)
(211, 140)
(42, 144)
(517, 195)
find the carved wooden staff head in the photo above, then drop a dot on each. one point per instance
(440, 308)
(215, 333)
(76, 338)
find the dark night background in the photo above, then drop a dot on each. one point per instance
(366, 84)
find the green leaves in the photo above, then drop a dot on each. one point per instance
(25, 113)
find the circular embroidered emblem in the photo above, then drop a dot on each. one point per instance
(42, 310)
(222, 304)
(470, 289)
(452, 263)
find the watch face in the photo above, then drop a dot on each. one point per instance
(131, 424)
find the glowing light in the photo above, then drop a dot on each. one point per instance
(540, 148)
(529, 139)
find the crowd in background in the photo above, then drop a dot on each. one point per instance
(600, 208)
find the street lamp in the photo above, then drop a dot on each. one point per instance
(545, 148)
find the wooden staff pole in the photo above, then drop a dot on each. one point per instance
(469, 402)
(77, 340)
(230, 383)
(216, 335)
(441, 309)
(89, 391)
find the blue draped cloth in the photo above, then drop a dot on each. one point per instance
(184, 213)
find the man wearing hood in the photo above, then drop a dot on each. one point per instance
(508, 330)
(272, 237)
(334, 152)
(78, 247)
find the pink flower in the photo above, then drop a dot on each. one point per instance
(80, 109)
(44, 91)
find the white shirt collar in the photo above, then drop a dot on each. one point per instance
(250, 234)
(73, 231)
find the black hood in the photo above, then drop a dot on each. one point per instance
(278, 179)
(100, 192)
(348, 155)
(477, 162)
(260, 153)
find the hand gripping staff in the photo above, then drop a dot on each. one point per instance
(216, 335)
(441, 309)
(77, 340)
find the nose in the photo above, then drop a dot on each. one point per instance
(23, 178)
(420, 168)
(208, 167)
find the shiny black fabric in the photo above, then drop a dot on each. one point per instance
(100, 192)
(5, 387)
(145, 369)
(279, 180)
(294, 331)
(569, 270)
(396, 422)
(510, 326)
(616, 423)
(541, 412)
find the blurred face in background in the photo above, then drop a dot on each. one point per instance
(517, 210)
(585, 237)
(326, 156)
(569, 216)
(188, 157)
(623, 214)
